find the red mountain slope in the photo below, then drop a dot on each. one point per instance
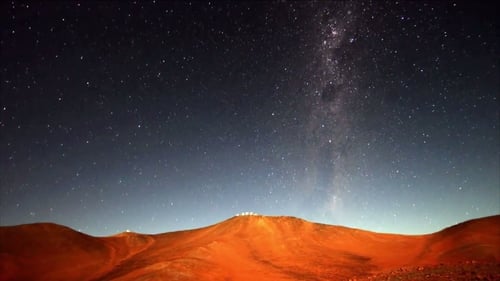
(240, 248)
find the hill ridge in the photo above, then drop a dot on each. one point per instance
(265, 247)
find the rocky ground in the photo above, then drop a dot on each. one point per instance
(467, 271)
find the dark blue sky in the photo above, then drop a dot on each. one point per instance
(159, 116)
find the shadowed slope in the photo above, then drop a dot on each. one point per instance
(477, 240)
(240, 248)
(49, 251)
(46, 251)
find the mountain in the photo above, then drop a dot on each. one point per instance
(250, 248)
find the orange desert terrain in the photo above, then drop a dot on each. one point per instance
(253, 248)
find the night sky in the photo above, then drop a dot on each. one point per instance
(160, 116)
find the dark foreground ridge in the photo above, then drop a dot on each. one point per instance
(253, 248)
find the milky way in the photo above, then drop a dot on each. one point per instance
(331, 96)
(159, 116)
